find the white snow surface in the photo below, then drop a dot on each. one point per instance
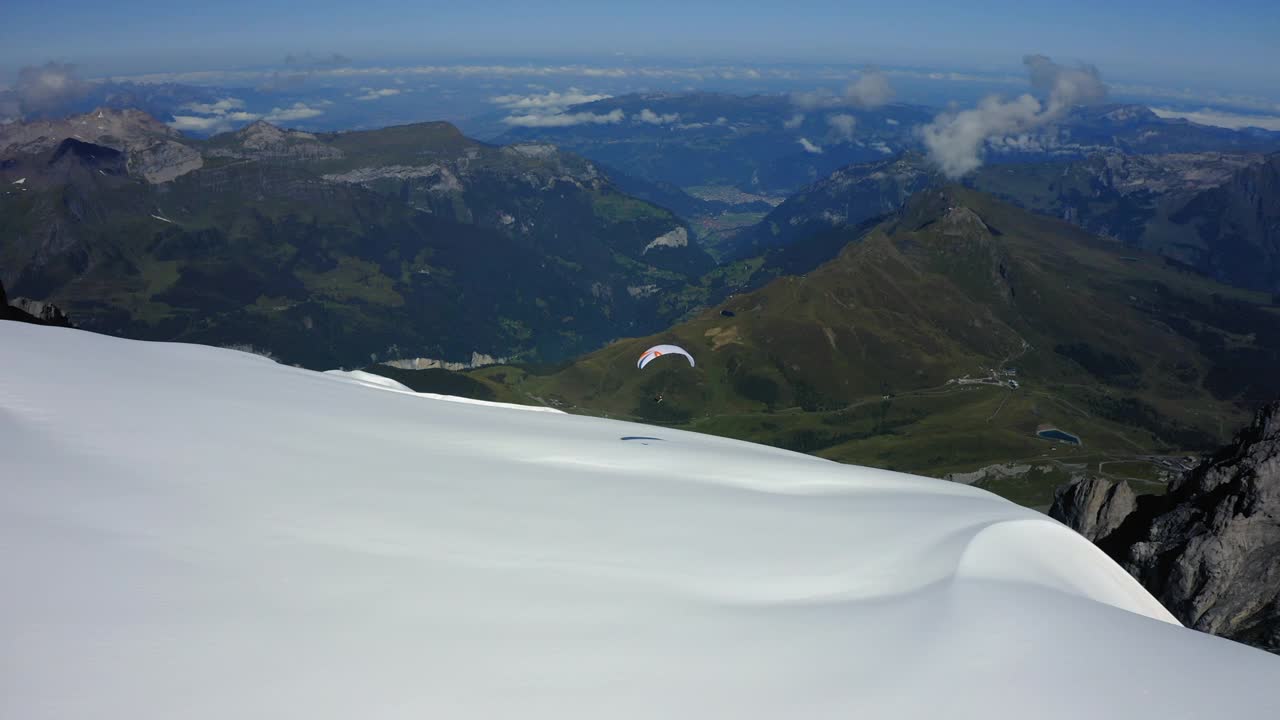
(202, 533)
(385, 383)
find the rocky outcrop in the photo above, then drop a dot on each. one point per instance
(163, 161)
(45, 312)
(437, 178)
(262, 140)
(676, 238)
(71, 152)
(1209, 549)
(478, 360)
(1093, 506)
(1238, 224)
(31, 311)
(155, 152)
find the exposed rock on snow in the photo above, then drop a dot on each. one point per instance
(45, 312)
(31, 311)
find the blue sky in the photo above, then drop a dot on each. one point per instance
(1230, 45)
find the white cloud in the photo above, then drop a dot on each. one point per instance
(722, 120)
(648, 116)
(891, 121)
(809, 147)
(794, 122)
(48, 86)
(955, 140)
(870, 90)
(1184, 95)
(842, 127)
(1065, 86)
(1217, 118)
(815, 99)
(565, 119)
(551, 100)
(194, 123)
(219, 107)
(372, 94)
(297, 111)
(213, 117)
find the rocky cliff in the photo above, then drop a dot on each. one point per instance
(31, 311)
(47, 313)
(155, 152)
(1210, 548)
(1093, 506)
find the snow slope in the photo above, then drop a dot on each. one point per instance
(201, 533)
(386, 383)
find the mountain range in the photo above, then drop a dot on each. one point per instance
(333, 249)
(1211, 212)
(881, 315)
(776, 144)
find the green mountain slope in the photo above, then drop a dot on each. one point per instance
(897, 353)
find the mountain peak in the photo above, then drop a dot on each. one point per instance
(120, 129)
(261, 132)
(154, 151)
(961, 220)
(257, 126)
(939, 205)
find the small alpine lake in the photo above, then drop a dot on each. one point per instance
(1059, 435)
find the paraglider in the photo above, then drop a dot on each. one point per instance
(658, 351)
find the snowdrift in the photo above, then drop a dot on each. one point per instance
(201, 533)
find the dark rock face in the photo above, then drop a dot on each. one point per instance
(1239, 224)
(99, 157)
(1211, 554)
(31, 311)
(1092, 506)
(47, 313)
(1210, 548)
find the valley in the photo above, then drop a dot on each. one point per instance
(879, 315)
(935, 345)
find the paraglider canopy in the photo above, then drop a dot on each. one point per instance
(658, 351)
